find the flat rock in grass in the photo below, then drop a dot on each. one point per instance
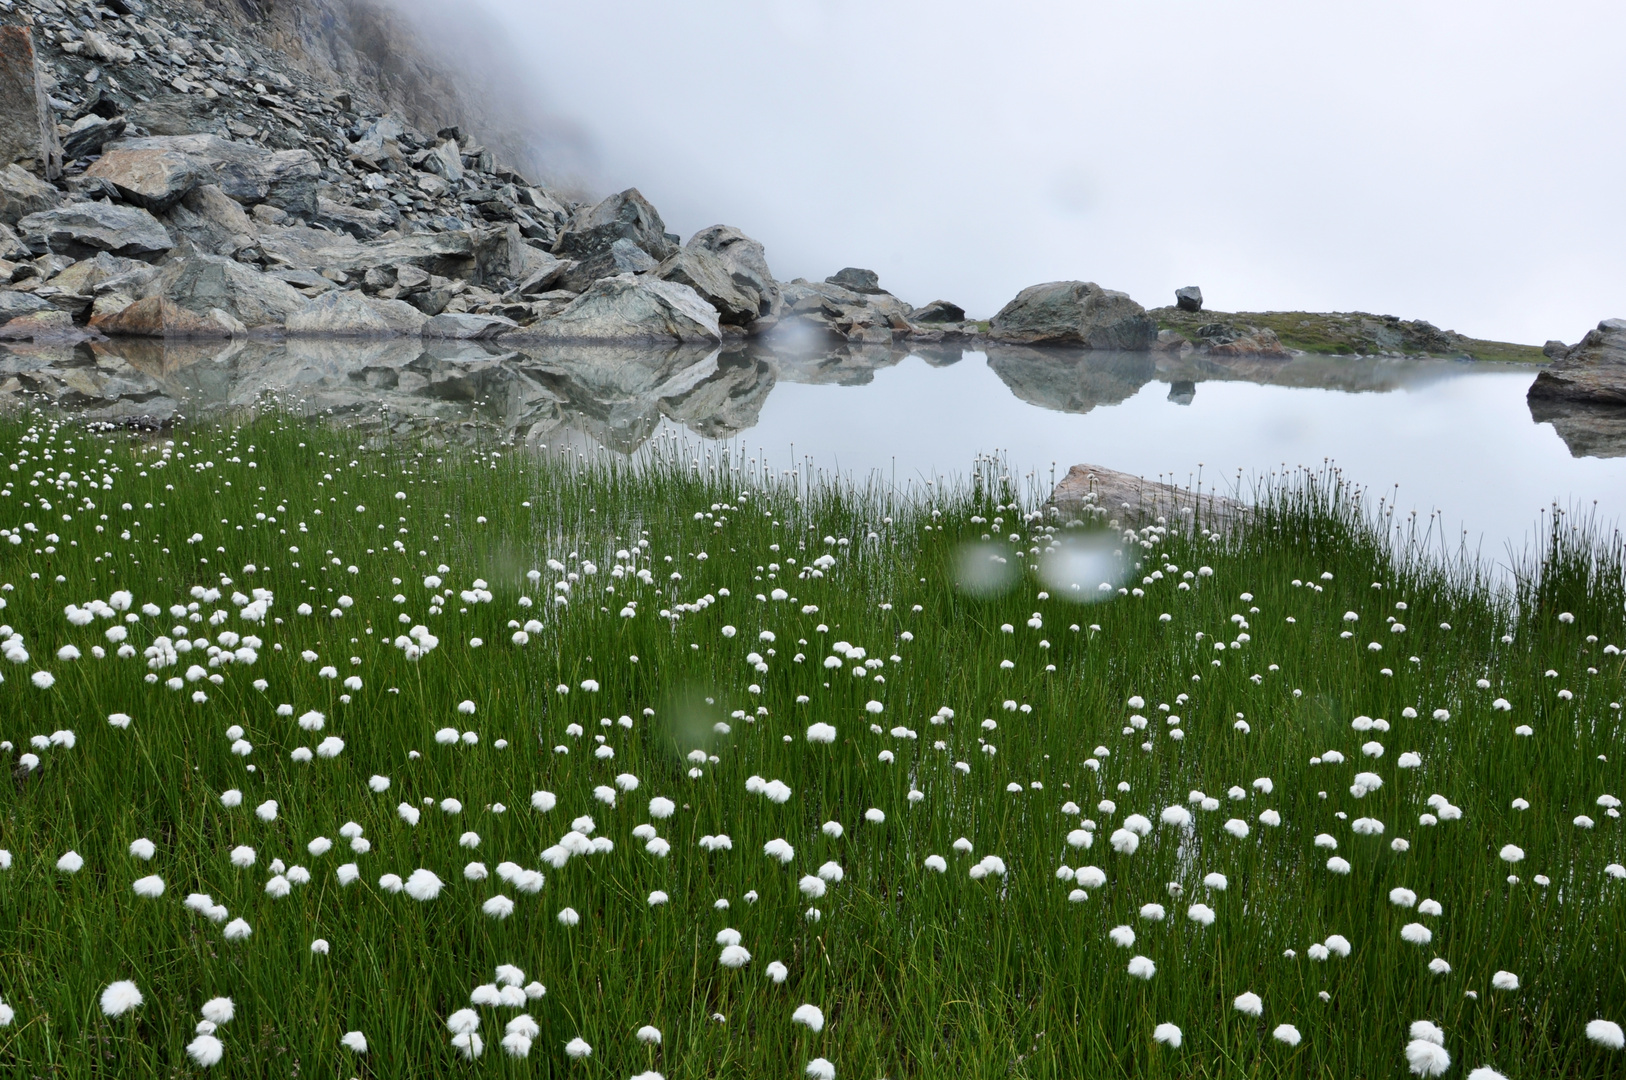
(210, 284)
(1078, 313)
(355, 314)
(630, 307)
(1100, 495)
(80, 229)
(22, 193)
(154, 179)
(159, 317)
(467, 327)
(1593, 371)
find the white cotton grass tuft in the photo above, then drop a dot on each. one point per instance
(1249, 1004)
(1416, 934)
(206, 1051)
(1606, 1033)
(120, 997)
(1168, 1035)
(777, 971)
(1485, 1072)
(237, 930)
(1287, 1033)
(150, 887)
(820, 1069)
(218, 1010)
(423, 886)
(1141, 967)
(469, 1045)
(1427, 1058)
(734, 956)
(354, 1041)
(809, 1016)
(1504, 981)
(577, 1048)
(649, 1035)
(1426, 1031)
(70, 863)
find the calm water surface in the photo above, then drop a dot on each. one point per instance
(1457, 438)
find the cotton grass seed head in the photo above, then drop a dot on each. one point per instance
(120, 997)
(1168, 1035)
(1249, 1004)
(1427, 1058)
(1141, 967)
(1607, 1034)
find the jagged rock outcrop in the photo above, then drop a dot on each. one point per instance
(210, 286)
(630, 307)
(1593, 371)
(592, 235)
(1077, 313)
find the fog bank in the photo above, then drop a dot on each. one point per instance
(1442, 160)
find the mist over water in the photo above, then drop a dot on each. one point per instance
(1447, 161)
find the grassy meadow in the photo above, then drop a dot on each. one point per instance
(500, 762)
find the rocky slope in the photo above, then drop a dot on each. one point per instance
(307, 168)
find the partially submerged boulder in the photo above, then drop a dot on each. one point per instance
(355, 314)
(630, 307)
(82, 229)
(463, 326)
(1593, 371)
(206, 284)
(1078, 313)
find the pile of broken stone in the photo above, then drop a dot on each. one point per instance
(184, 183)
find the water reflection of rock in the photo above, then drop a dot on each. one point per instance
(1588, 430)
(1071, 380)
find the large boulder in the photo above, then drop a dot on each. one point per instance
(83, 278)
(1593, 371)
(203, 284)
(709, 276)
(158, 317)
(251, 174)
(592, 233)
(448, 254)
(630, 307)
(17, 304)
(153, 179)
(211, 221)
(354, 314)
(82, 229)
(27, 128)
(938, 311)
(747, 263)
(856, 279)
(1188, 298)
(1079, 313)
(22, 193)
(463, 326)
(89, 134)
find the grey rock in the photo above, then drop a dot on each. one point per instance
(358, 222)
(1593, 372)
(938, 311)
(22, 193)
(52, 325)
(354, 314)
(467, 327)
(1189, 298)
(1077, 313)
(630, 307)
(446, 161)
(15, 304)
(89, 134)
(747, 263)
(27, 128)
(177, 114)
(247, 172)
(857, 280)
(1554, 349)
(205, 284)
(812, 311)
(708, 275)
(449, 254)
(85, 278)
(153, 179)
(211, 221)
(1094, 494)
(85, 228)
(626, 215)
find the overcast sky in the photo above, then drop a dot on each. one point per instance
(1459, 162)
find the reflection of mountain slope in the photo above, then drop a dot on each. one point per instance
(1071, 380)
(848, 365)
(1350, 375)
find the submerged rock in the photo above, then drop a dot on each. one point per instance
(1079, 313)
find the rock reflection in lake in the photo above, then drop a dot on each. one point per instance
(1588, 430)
(617, 397)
